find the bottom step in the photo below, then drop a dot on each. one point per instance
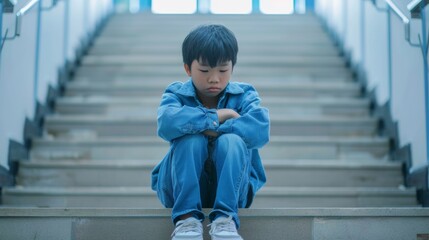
(256, 224)
(267, 197)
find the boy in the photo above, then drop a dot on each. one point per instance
(214, 128)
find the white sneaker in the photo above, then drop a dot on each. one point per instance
(224, 229)
(189, 229)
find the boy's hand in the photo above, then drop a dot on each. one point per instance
(211, 133)
(225, 114)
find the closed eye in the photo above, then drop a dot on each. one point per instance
(204, 71)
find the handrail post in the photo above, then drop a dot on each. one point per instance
(1, 25)
(424, 43)
(37, 60)
(255, 6)
(389, 52)
(145, 5)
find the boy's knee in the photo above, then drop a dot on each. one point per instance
(230, 148)
(193, 148)
(192, 141)
(227, 141)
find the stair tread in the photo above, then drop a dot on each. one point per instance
(273, 118)
(148, 60)
(155, 100)
(260, 86)
(267, 163)
(157, 140)
(270, 191)
(10, 211)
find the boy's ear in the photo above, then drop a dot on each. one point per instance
(187, 69)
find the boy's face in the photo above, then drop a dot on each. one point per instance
(209, 81)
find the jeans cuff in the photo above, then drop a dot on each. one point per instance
(195, 213)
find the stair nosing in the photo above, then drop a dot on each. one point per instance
(265, 191)
(252, 212)
(268, 164)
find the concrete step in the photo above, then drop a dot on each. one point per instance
(287, 173)
(175, 50)
(178, 72)
(279, 147)
(147, 107)
(239, 27)
(174, 61)
(60, 126)
(302, 90)
(238, 24)
(243, 32)
(256, 224)
(177, 40)
(254, 80)
(135, 19)
(245, 24)
(267, 197)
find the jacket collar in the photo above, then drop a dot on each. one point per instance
(188, 89)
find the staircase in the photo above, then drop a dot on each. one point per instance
(329, 176)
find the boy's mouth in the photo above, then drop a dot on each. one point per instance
(213, 89)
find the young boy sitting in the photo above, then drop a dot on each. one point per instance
(215, 128)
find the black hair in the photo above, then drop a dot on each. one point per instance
(212, 44)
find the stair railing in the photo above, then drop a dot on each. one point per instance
(416, 7)
(417, 10)
(18, 22)
(19, 16)
(405, 20)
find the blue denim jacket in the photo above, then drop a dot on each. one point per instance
(181, 113)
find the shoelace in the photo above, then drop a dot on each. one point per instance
(188, 226)
(223, 225)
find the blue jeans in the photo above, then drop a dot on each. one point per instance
(183, 183)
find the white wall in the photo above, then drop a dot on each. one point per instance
(375, 53)
(369, 48)
(18, 73)
(352, 30)
(76, 26)
(51, 53)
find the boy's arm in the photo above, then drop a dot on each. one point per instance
(176, 120)
(223, 115)
(253, 124)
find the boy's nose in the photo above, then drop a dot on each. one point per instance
(214, 79)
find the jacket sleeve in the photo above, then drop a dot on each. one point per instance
(176, 120)
(253, 125)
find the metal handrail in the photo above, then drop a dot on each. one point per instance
(415, 7)
(19, 16)
(402, 16)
